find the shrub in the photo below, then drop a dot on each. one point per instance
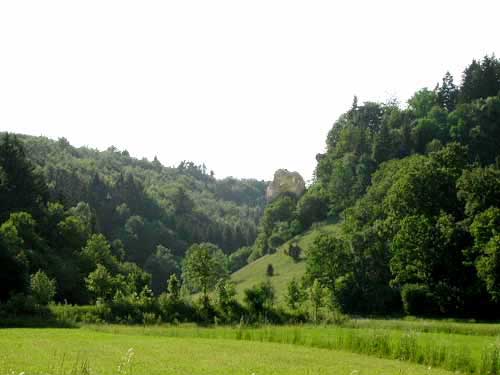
(205, 310)
(20, 304)
(295, 295)
(89, 314)
(270, 270)
(239, 258)
(43, 289)
(131, 307)
(294, 251)
(259, 299)
(175, 310)
(275, 240)
(418, 300)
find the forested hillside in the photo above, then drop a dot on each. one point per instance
(418, 189)
(131, 214)
(414, 191)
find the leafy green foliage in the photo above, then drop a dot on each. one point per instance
(294, 251)
(270, 270)
(259, 299)
(161, 265)
(274, 228)
(488, 267)
(101, 283)
(295, 295)
(418, 188)
(316, 295)
(204, 265)
(327, 260)
(239, 258)
(418, 300)
(43, 288)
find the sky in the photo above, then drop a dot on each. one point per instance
(246, 87)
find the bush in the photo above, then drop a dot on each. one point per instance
(418, 300)
(43, 288)
(205, 310)
(270, 270)
(89, 314)
(259, 299)
(130, 308)
(228, 308)
(20, 304)
(239, 258)
(276, 240)
(294, 251)
(175, 310)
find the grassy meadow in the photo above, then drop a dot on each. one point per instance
(87, 351)
(353, 346)
(285, 268)
(357, 347)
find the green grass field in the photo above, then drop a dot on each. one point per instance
(55, 352)
(285, 268)
(467, 353)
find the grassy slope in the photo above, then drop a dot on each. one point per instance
(37, 351)
(285, 269)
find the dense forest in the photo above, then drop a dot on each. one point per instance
(415, 188)
(64, 210)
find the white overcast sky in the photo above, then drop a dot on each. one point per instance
(246, 87)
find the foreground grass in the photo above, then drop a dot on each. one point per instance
(55, 351)
(285, 268)
(427, 325)
(464, 353)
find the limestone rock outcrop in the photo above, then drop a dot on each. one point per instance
(285, 182)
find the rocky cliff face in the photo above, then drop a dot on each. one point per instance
(285, 182)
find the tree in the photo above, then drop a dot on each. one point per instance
(13, 270)
(259, 298)
(98, 251)
(481, 79)
(281, 210)
(182, 202)
(226, 293)
(42, 288)
(239, 258)
(447, 93)
(21, 187)
(383, 148)
(173, 288)
(316, 297)
(328, 259)
(422, 102)
(270, 270)
(294, 251)
(486, 232)
(161, 265)
(423, 250)
(204, 265)
(488, 267)
(312, 207)
(479, 189)
(275, 241)
(295, 295)
(101, 283)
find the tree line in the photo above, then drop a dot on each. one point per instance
(417, 190)
(76, 214)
